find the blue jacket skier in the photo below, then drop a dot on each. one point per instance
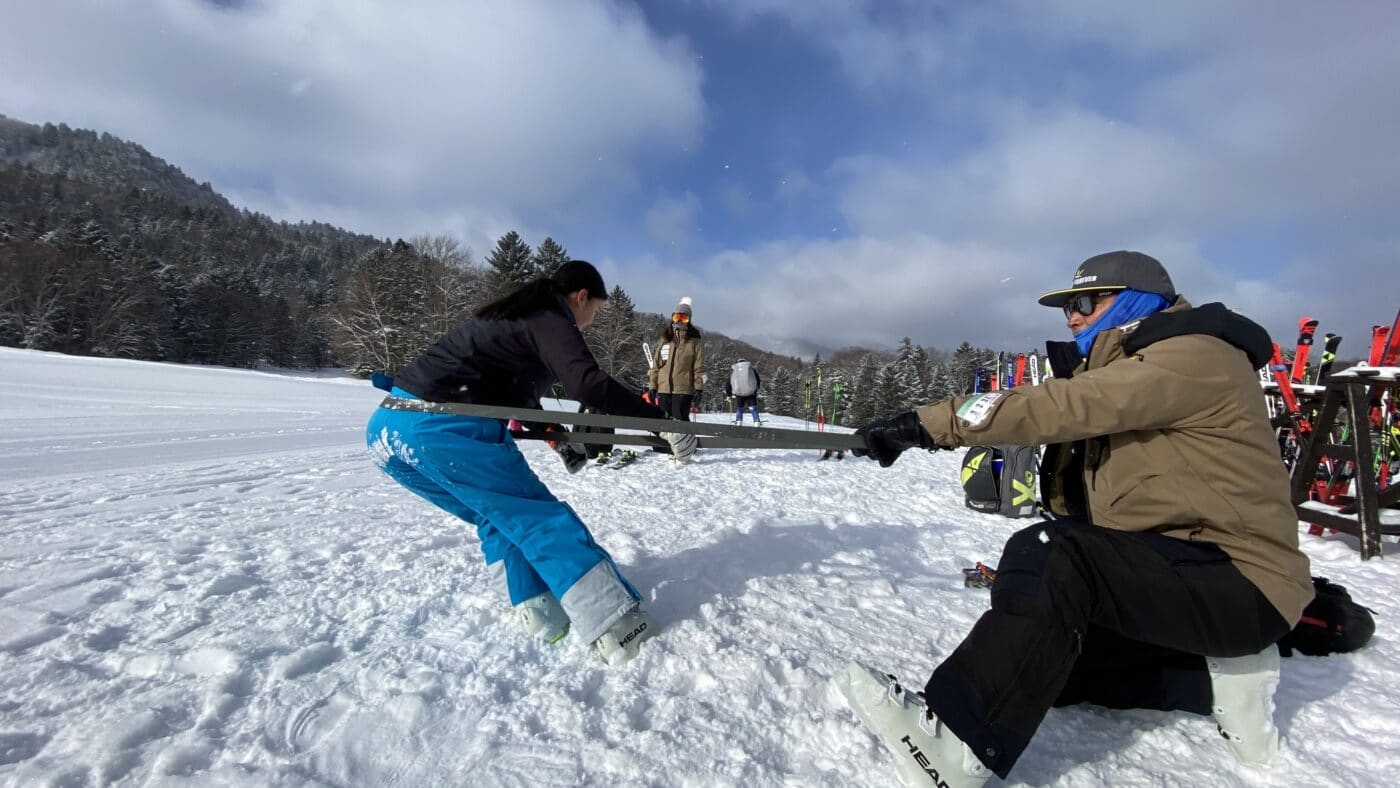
(555, 575)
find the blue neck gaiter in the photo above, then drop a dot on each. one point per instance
(1130, 305)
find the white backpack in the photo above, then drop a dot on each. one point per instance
(743, 381)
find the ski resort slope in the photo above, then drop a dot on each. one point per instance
(205, 581)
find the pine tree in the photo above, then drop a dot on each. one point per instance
(864, 396)
(966, 360)
(511, 264)
(549, 257)
(616, 339)
(781, 395)
(940, 385)
(909, 383)
(890, 392)
(923, 366)
(379, 322)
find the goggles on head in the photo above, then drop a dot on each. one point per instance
(1084, 303)
(680, 317)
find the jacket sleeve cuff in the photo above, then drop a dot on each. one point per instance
(938, 420)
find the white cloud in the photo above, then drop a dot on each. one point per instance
(873, 290)
(793, 187)
(861, 290)
(1068, 174)
(674, 221)
(394, 111)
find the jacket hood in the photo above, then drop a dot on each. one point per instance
(1212, 319)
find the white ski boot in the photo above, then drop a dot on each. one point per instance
(1243, 704)
(621, 642)
(925, 752)
(542, 617)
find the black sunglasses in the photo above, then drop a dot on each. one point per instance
(1083, 303)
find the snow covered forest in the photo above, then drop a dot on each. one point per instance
(106, 250)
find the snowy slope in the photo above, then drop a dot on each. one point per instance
(204, 580)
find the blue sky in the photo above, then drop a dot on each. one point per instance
(833, 171)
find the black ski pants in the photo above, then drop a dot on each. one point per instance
(1082, 613)
(677, 405)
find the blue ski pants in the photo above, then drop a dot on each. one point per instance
(471, 468)
(741, 402)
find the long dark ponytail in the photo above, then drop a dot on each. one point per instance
(543, 292)
(534, 296)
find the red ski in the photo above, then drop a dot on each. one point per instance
(1306, 328)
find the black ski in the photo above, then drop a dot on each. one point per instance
(1330, 343)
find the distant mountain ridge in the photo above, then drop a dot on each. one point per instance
(108, 250)
(85, 155)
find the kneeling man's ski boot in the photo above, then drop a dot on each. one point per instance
(1243, 703)
(925, 752)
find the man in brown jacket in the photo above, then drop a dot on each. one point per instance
(1172, 565)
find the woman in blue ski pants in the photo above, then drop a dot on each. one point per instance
(557, 578)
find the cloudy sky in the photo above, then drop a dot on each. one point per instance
(839, 171)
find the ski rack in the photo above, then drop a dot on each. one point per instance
(1353, 389)
(751, 437)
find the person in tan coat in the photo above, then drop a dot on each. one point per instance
(677, 373)
(1171, 566)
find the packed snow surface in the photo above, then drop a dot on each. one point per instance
(204, 580)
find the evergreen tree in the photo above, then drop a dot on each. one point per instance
(966, 360)
(923, 367)
(379, 322)
(890, 392)
(940, 383)
(864, 397)
(510, 265)
(616, 340)
(549, 257)
(781, 395)
(909, 381)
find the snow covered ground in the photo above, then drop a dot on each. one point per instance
(205, 581)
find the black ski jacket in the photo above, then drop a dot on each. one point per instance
(515, 362)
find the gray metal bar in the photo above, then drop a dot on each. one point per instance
(766, 436)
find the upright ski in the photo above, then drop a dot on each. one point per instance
(1330, 343)
(1307, 327)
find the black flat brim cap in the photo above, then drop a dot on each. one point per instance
(1113, 271)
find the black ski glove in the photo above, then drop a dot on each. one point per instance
(886, 439)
